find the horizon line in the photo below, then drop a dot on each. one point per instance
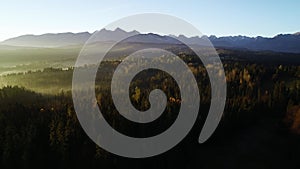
(211, 35)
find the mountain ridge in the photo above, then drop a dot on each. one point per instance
(289, 43)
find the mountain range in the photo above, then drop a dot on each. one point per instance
(289, 43)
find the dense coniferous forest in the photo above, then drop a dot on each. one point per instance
(260, 127)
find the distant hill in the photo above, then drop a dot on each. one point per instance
(289, 43)
(48, 40)
(66, 39)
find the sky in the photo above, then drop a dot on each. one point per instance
(212, 17)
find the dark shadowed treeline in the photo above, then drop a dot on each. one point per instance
(259, 128)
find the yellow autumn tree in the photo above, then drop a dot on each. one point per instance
(137, 94)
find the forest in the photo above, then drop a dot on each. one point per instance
(261, 122)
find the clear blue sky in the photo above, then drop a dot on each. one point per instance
(211, 17)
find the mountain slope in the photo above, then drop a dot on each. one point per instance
(289, 43)
(48, 40)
